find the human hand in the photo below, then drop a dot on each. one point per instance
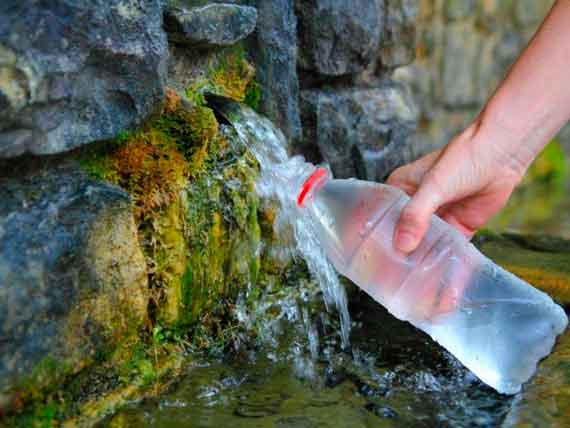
(471, 179)
(465, 183)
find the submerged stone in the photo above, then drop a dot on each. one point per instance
(73, 279)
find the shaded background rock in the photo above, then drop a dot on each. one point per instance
(464, 48)
(339, 37)
(273, 48)
(362, 132)
(72, 73)
(398, 43)
(73, 279)
(210, 25)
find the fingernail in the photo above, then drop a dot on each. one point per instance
(405, 241)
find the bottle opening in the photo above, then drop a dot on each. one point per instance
(314, 182)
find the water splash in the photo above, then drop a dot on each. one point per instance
(281, 178)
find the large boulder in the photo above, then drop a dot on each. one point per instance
(338, 37)
(73, 280)
(210, 25)
(75, 72)
(361, 132)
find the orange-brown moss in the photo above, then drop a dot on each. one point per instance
(229, 74)
(172, 101)
(151, 169)
(233, 76)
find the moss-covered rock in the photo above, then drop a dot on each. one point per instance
(225, 72)
(73, 280)
(195, 206)
(186, 237)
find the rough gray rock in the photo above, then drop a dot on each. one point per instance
(210, 25)
(460, 66)
(398, 44)
(75, 72)
(72, 275)
(338, 37)
(273, 47)
(362, 132)
(530, 12)
(459, 9)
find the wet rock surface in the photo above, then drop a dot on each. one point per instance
(72, 73)
(72, 275)
(210, 25)
(542, 261)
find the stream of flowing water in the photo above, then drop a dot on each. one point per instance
(281, 179)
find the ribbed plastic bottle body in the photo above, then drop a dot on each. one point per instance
(497, 325)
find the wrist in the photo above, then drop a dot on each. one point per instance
(512, 146)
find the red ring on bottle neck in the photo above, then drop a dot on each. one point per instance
(314, 179)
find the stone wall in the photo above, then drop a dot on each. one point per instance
(325, 70)
(127, 207)
(464, 48)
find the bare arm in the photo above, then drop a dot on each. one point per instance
(471, 179)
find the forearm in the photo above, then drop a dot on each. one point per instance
(533, 102)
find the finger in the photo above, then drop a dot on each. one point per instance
(415, 218)
(410, 176)
(467, 231)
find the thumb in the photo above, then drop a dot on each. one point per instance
(415, 218)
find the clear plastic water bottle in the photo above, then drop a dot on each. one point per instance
(497, 325)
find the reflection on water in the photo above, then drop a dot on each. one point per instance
(393, 376)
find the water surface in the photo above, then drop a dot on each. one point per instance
(392, 376)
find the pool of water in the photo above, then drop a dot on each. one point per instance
(392, 376)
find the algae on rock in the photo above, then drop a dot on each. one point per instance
(195, 215)
(191, 182)
(72, 277)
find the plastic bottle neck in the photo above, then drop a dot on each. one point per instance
(311, 186)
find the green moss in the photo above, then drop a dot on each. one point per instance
(252, 95)
(44, 378)
(43, 416)
(230, 75)
(198, 223)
